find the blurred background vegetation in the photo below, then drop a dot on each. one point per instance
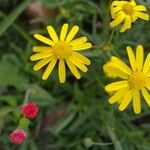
(78, 109)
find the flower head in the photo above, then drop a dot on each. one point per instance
(18, 136)
(30, 110)
(127, 11)
(108, 71)
(135, 80)
(88, 142)
(63, 50)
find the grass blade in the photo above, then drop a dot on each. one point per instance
(13, 15)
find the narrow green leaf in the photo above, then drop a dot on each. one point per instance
(41, 96)
(64, 121)
(83, 116)
(13, 15)
(21, 31)
(5, 110)
(54, 3)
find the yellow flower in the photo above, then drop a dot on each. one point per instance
(64, 49)
(108, 69)
(135, 80)
(128, 12)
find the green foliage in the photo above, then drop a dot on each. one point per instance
(78, 109)
(14, 79)
(54, 3)
(10, 19)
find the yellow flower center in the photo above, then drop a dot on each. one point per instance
(128, 9)
(62, 50)
(137, 80)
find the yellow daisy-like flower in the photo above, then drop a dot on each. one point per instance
(64, 49)
(135, 80)
(108, 70)
(127, 11)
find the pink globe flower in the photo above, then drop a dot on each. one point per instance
(30, 110)
(18, 136)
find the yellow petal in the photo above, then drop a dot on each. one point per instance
(139, 57)
(117, 96)
(109, 71)
(127, 24)
(62, 71)
(134, 17)
(116, 86)
(44, 39)
(112, 70)
(131, 58)
(140, 8)
(52, 34)
(147, 64)
(81, 47)
(73, 69)
(117, 3)
(121, 65)
(49, 69)
(126, 100)
(118, 20)
(78, 64)
(40, 56)
(136, 101)
(133, 2)
(72, 33)
(142, 15)
(64, 31)
(42, 48)
(114, 11)
(148, 74)
(146, 96)
(78, 41)
(148, 84)
(82, 58)
(42, 63)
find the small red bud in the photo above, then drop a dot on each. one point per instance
(18, 136)
(30, 110)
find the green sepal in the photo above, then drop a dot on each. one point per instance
(23, 123)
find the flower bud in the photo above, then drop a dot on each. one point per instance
(18, 136)
(88, 142)
(30, 110)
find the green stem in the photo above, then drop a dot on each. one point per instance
(9, 110)
(109, 3)
(102, 144)
(114, 139)
(26, 98)
(111, 36)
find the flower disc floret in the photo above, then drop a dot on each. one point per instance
(62, 50)
(128, 9)
(137, 80)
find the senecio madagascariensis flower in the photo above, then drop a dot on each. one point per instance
(127, 11)
(135, 80)
(63, 49)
